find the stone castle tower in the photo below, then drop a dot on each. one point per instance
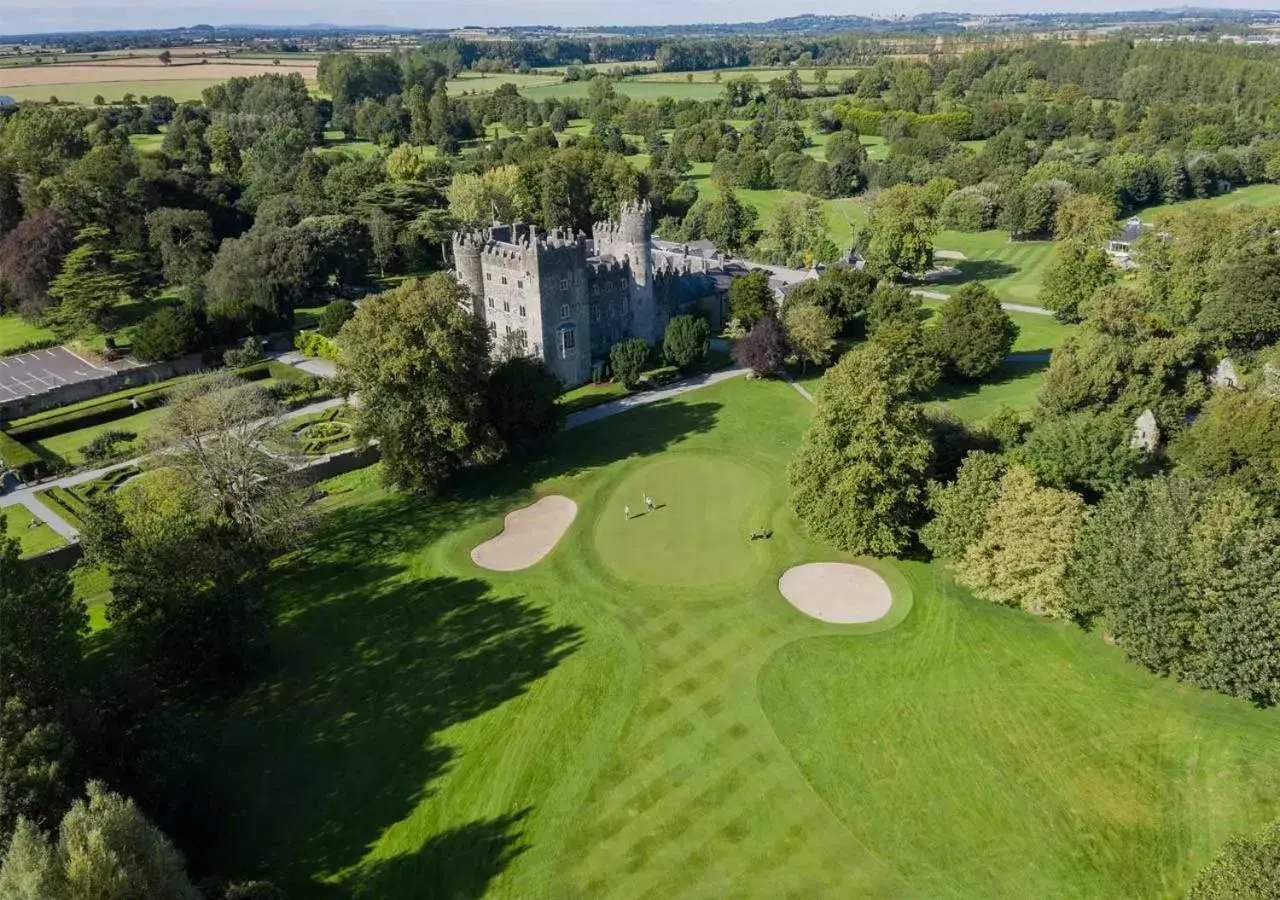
(564, 298)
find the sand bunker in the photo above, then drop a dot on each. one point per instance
(528, 534)
(836, 592)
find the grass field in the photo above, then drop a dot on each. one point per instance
(636, 90)
(1252, 195)
(14, 333)
(67, 446)
(41, 538)
(615, 722)
(1014, 270)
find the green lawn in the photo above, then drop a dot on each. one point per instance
(636, 90)
(1253, 195)
(31, 541)
(67, 446)
(1015, 384)
(644, 716)
(14, 333)
(1013, 269)
(487, 83)
(146, 143)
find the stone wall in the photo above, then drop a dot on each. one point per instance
(66, 394)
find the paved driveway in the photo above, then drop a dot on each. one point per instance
(40, 370)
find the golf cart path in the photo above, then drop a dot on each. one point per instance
(644, 398)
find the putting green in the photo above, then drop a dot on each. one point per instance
(699, 533)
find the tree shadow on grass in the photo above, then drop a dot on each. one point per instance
(967, 270)
(340, 742)
(640, 431)
(456, 865)
(1010, 370)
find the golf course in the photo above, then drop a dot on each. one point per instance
(641, 713)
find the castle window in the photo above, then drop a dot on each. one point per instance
(522, 312)
(493, 329)
(504, 279)
(567, 343)
(564, 310)
(520, 284)
(564, 284)
(506, 306)
(491, 303)
(488, 276)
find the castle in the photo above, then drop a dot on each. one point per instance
(567, 299)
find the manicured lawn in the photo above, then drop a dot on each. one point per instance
(1015, 384)
(31, 541)
(598, 726)
(1013, 269)
(68, 446)
(14, 333)
(1253, 195)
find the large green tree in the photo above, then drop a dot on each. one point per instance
(419, 362)
(901, 229)
(1023, 552)
(95, 278)
(858, 478)
(1246, 868)
(962, 508)
(973, 334)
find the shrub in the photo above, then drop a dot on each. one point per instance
(764, 350)
(85, 417)
(164, 335)
(334, 316)
(1246, 868)
(246, 354)
(685, 342)
(628, 359)
(108, 445)
(316, 345)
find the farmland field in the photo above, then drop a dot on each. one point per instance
(80, 83)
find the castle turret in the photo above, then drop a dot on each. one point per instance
(467, 247)
(628, 239)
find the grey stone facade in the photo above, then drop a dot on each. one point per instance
(566, 298)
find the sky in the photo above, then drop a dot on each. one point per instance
(35, 16)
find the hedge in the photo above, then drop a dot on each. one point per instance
(16, 455)
(102, 413)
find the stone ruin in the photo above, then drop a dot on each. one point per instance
(1224, 376)
(1146, 433)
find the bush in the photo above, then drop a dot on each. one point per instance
(334, 316)
(164, 335)
(686, 341)
(245, 355)
(108, 446)
(628, 359)
(1246, 868)
(316, 345)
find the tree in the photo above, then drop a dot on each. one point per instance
(106, 849)
(188, 582)
(486, 197)
(31, 256)
(1186, 575)
(764, 349)
(184, 239)
(1076, 270)
(973, 334)
(334, 316)
(165, 57)
(901, 230)
(523, 402)
(41, 629)
(257, 280)
(892, 302)
(751, 297)
(94, 278)
(406, 163)
(10, 199)
(41, 141)
(1245, 309)
(685, 342)
(797, 234)
(727, 221)
(811, 333)
(858, 478)
(628, 359)
(1085, 451)
(1022, 555)
(419, 362)
(914, 361)
(962, 508)
(165, 334)
(1235, 440)
(1246, 868)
